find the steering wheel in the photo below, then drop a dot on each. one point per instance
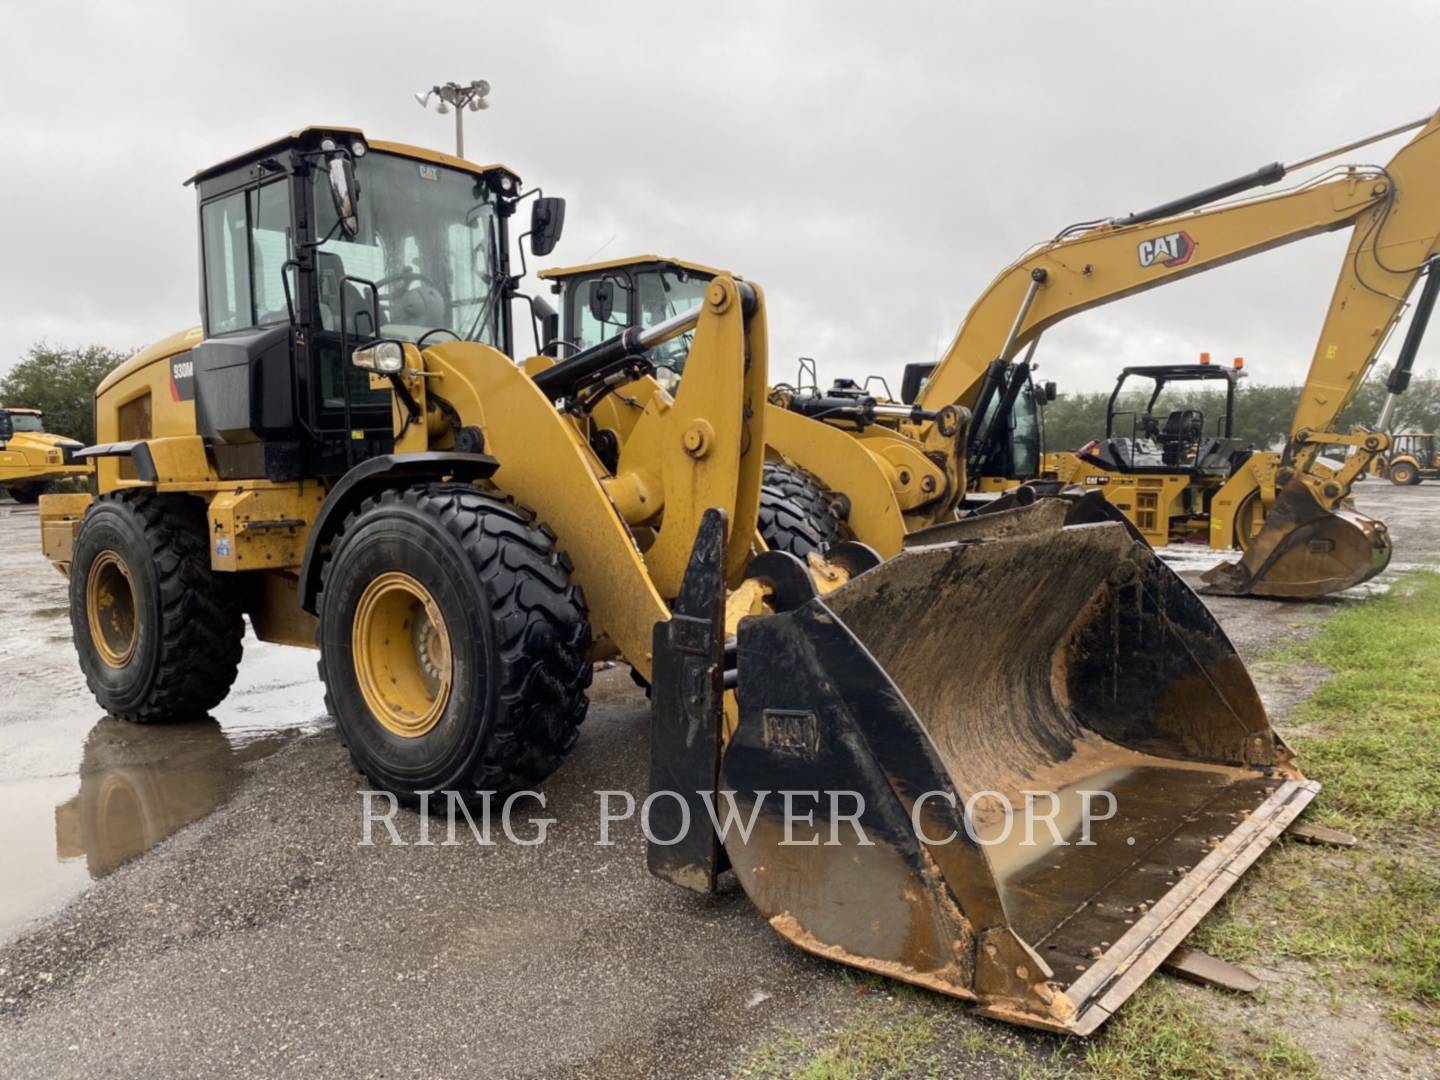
(438, 330)
(406, 276)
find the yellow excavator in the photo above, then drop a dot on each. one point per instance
(32, 459)
(345, 451)
(1311, 541)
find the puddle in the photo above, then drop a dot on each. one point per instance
(79, 795)
(139, 784)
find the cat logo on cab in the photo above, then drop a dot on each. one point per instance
(1172, 249)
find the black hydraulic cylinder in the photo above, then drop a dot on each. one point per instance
(1399, 379)
(563, 379)
(1266, 174)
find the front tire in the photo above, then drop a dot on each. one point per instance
(1404, 474)
(159, 634)
(798, 514)
(454, 648)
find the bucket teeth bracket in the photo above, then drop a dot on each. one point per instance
(686, 714)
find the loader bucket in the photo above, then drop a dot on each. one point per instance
(1305, 550)
(914, 712)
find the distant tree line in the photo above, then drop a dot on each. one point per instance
(1262, 413)
(61, 383)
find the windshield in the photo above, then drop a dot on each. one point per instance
(663, 295)
(658, 294)
(428, 242)
(25, 422)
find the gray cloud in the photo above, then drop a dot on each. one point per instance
(872, 165)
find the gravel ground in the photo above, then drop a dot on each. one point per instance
(264, 940)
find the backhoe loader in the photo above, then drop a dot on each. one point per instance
(1412, 457)
(1312, 541)
(31, 459)
(344, 452)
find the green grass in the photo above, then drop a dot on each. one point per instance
(1374, 728)
(1160, 1033)
(885, 1041)
(1372, 737)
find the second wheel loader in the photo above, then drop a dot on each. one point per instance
(344, 452)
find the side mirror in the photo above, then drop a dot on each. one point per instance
(914, 381)
(346, 193)
(547, 222)
(1050, 391)
(602, 300)
(547, 320)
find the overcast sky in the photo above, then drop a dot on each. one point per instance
(872, 165)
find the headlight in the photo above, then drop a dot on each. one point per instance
(386, 357)
(357, 148)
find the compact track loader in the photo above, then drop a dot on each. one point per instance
(345, 452)
(31, 459)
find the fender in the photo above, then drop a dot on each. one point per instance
(363, 481)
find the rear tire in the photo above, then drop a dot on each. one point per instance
(29, 494)
(497, 703)
(159, 634)
(798, 514)
(1404, 474)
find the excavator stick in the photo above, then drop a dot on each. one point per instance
(1305, 550)
(1014, 770)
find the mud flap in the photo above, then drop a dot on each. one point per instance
(892, 732)
(1305, 550)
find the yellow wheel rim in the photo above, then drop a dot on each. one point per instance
(111, 609)
(402, 654)
(1249, 520)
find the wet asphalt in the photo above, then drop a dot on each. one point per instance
(262, 939)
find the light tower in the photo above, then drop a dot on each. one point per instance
(453, 95)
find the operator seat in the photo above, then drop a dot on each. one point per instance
(1182, 428)
(330, 280)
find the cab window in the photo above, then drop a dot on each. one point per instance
(246, 242)
(662, 296)
(593, 324)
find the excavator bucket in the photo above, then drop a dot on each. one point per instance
(1016, 770)
(1304, 550)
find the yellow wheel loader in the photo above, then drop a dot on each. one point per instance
(344, 452)
(877, 483)
(31, 459)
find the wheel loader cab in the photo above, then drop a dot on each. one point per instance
(1162, 430)
(312, 246)
(601, 300)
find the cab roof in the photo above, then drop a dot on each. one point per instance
(22, 412)
(1181, 372)
(554, 273)
(314, 132)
